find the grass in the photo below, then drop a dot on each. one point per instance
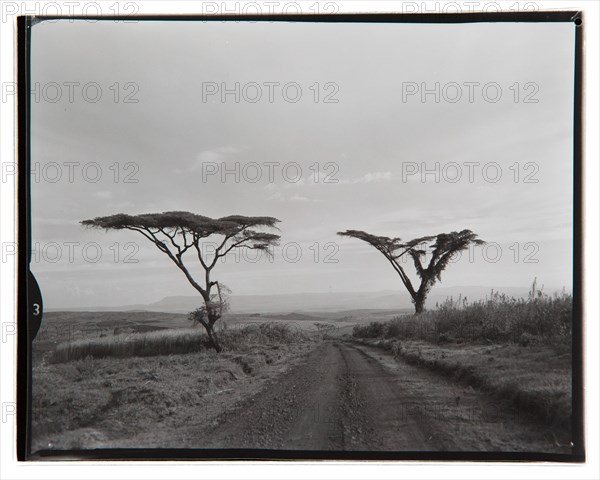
(536, 379)
(173, 341)
(149, 389)
(61, 327)
(515, 349)
(147, 401)
(538, 319)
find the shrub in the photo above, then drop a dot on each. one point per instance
(393, 328)
(372, 330)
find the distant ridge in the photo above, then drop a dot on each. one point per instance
(302, 303)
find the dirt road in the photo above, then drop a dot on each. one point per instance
(346, 397)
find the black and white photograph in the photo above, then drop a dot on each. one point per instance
(305, 238)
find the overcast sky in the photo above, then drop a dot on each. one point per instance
(373, 141)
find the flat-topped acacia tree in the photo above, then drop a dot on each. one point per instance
(439, 248)
(174, 233)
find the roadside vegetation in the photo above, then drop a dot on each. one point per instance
(517, 349)
(539, 319)
(141, 389)
(175, 342)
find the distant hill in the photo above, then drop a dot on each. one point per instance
(305, 303)
(292, 316)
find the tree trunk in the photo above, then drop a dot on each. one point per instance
(419, 304)
(214, 341)
(211, 318)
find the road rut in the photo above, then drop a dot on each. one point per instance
(344, 398)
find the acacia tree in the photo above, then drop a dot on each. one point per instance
(174, 233)
(440, 252)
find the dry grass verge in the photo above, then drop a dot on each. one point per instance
(537, 379)
(172, 341)
(147, 401)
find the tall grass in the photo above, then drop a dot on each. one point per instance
(168, 342)
(540, 318)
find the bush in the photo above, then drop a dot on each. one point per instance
(372, 330)
(393, 328)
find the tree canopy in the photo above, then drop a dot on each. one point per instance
(440, 249)
(174, 233)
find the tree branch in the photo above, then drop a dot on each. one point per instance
(177, 261)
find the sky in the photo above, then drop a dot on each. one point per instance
(143, 117)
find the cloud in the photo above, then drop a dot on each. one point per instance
(121, 205)
(103, 195)
(372, 177)
(330, 178)
(214, 155)
(280, 197)
(277, 196)
(300, 198)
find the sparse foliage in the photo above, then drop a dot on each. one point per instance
(175, 233)
(430, 256)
